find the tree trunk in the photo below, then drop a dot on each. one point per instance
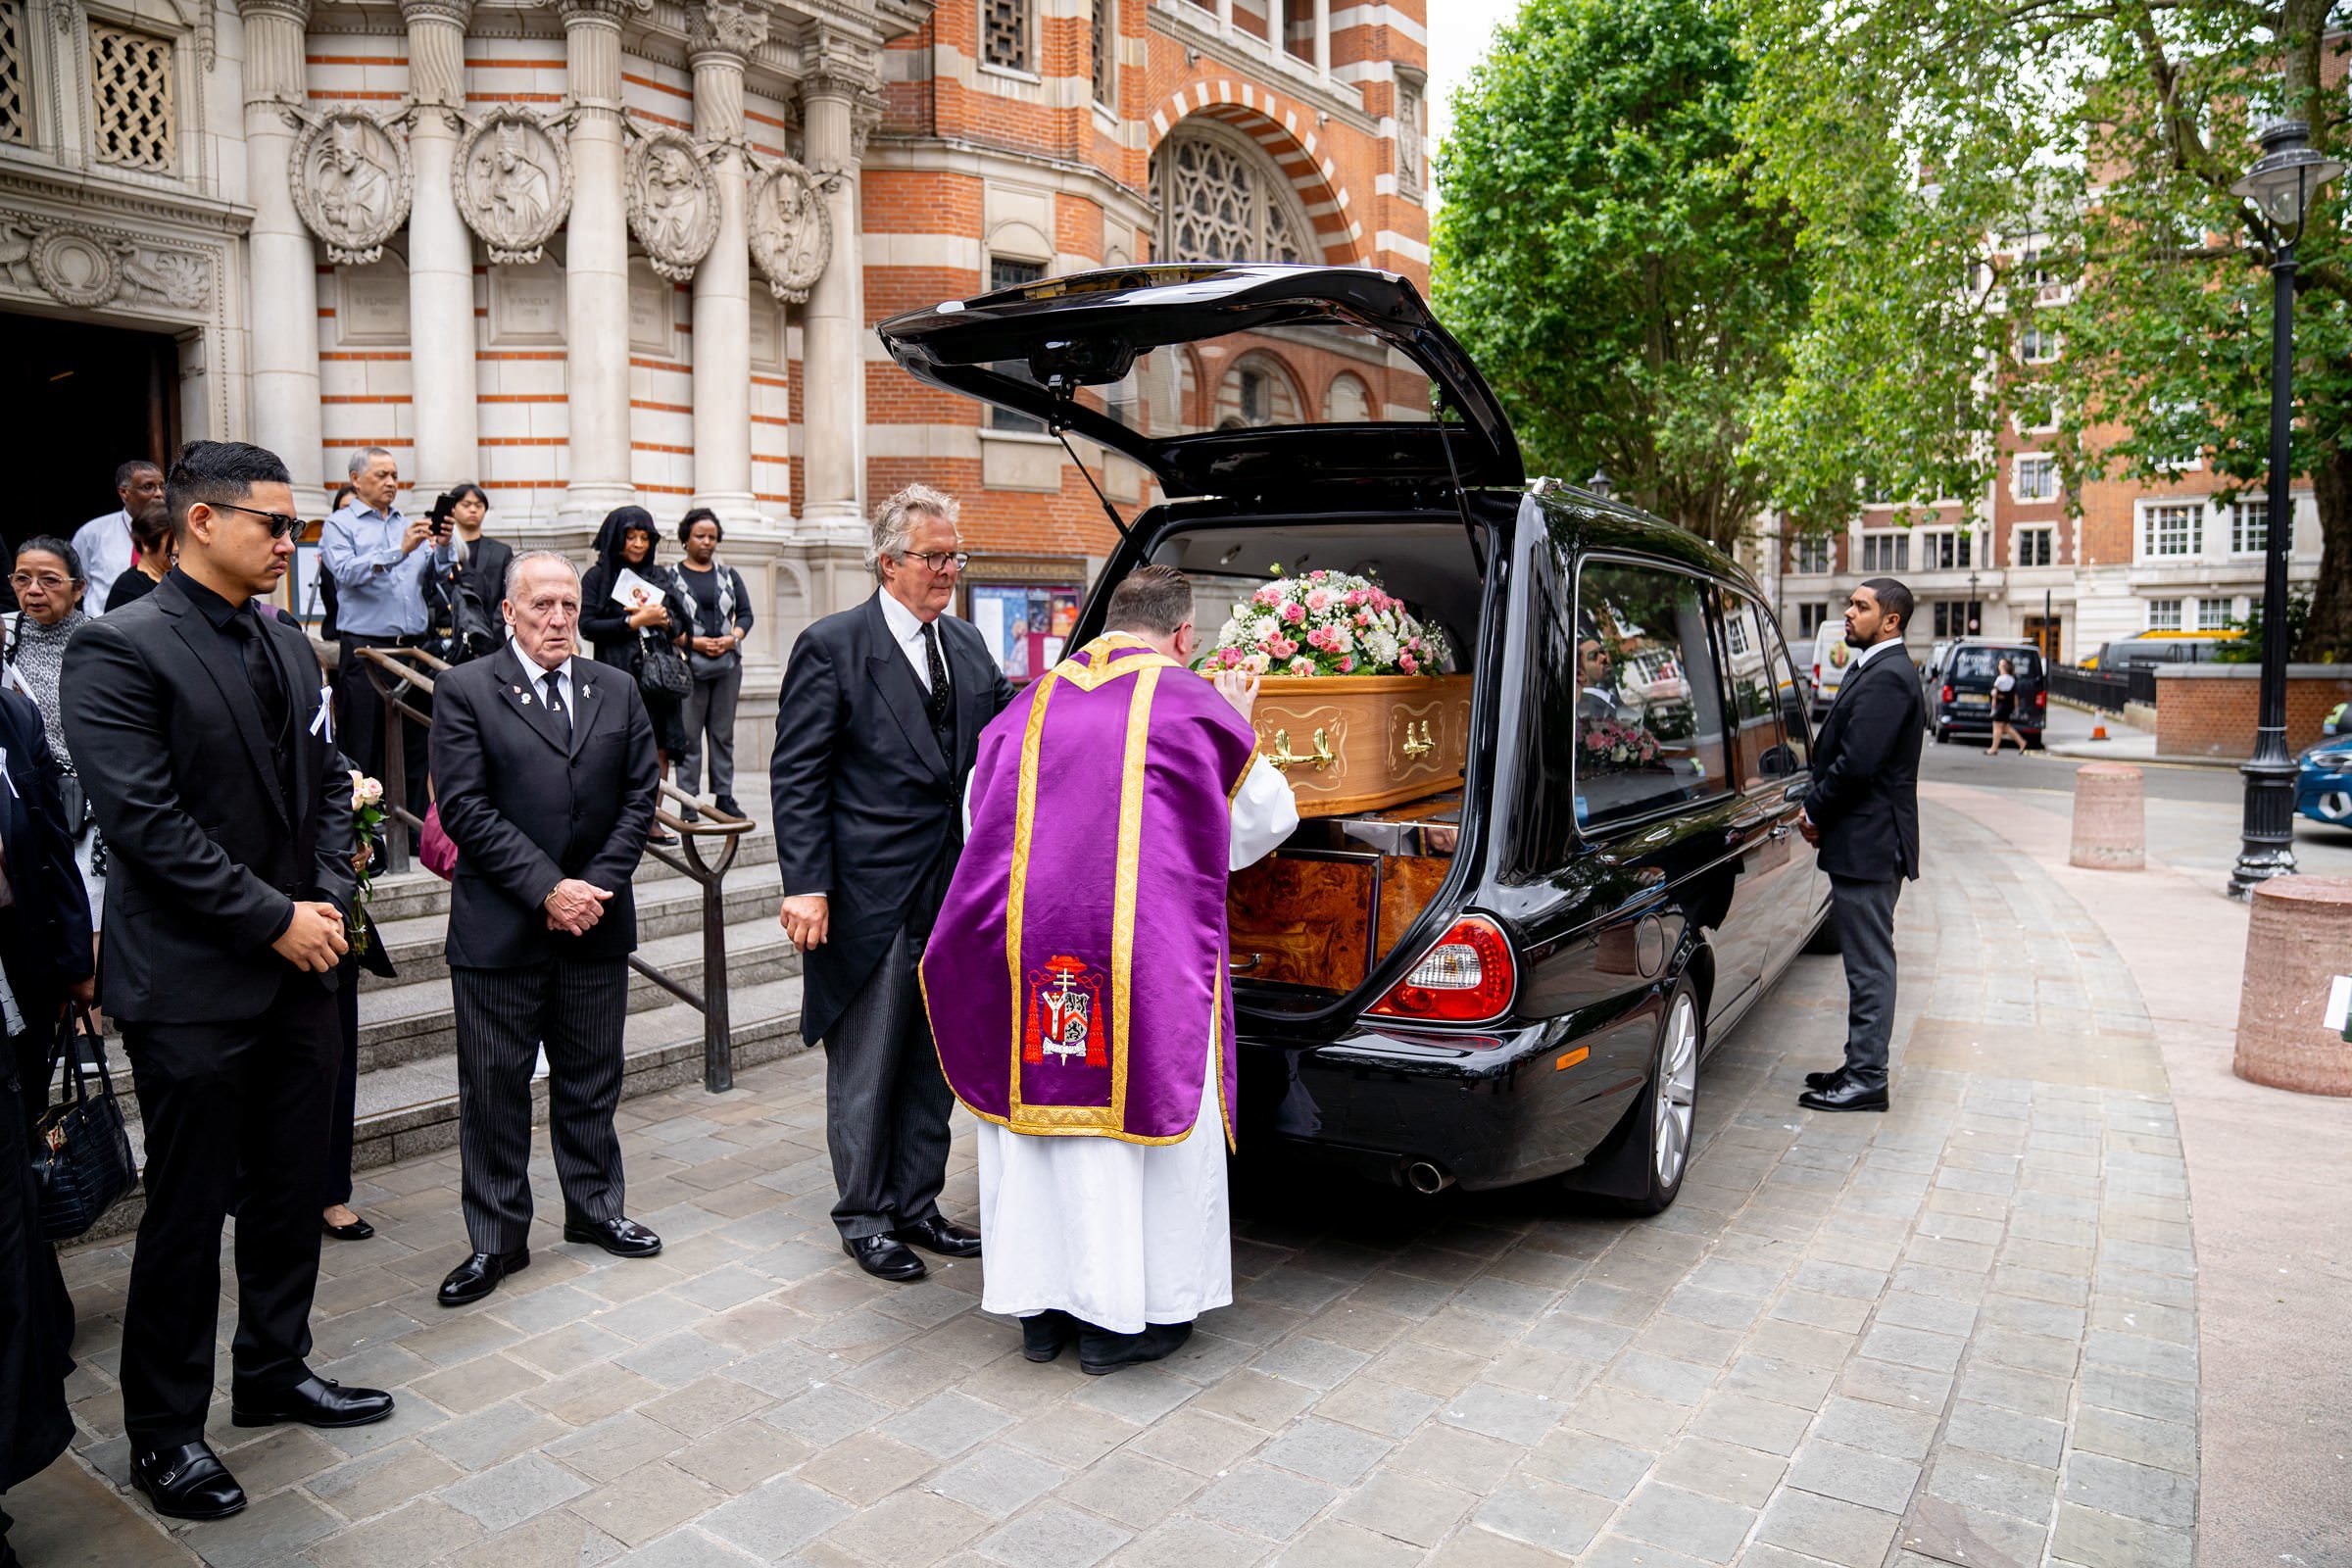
(2328, 635)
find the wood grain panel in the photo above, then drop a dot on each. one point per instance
(1407, 882)
(1306, 921)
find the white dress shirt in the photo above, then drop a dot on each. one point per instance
(1866, 655)
(908, 627)
(539, 672)
(105, 547)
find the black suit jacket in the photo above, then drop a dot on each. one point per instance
(205, 854)
(486, 563)
(868, 808)
(51, 945)
(1865, 791)
(528, 809)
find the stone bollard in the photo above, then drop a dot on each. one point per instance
(2300, 939)
(2111, 832)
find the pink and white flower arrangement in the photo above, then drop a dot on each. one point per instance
(1326, 624)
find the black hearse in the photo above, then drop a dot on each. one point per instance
(1541, 957)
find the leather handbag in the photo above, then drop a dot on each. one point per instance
(662, 671)
(81, 1160)
(435, 848)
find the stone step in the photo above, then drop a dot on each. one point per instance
(666, 906)
(417, 893)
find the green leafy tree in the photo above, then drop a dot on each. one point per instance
(2015, 207)
(1605, 253)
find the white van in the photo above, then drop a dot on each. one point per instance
(1831, 657)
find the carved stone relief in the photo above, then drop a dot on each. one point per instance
(514, 184)
(673, 204)
(352, 183)
(791, 232)
(81, 267)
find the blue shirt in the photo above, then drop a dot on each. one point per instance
(379, 591)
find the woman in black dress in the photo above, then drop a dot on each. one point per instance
(617, 633)
(2004, 709)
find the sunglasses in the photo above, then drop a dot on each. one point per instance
(282, 525)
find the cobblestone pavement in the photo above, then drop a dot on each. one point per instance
(1962, 1333)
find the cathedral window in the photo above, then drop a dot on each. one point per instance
(1105, 60)
(132, 122)
(1005, 34)
(1222, 200)
(16, 113)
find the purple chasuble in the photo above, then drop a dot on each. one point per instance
(1076, 976)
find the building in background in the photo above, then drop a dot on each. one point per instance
(597, 252)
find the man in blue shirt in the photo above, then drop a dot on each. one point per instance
(379, 558)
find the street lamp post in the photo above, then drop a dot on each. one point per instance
(1968, 611)
(2282, 183)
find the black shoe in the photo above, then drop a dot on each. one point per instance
(359, 1230)
(726, 803)
(1824, 1080)
(664, 837)
(884, 1258)
(1100, 1351)
(622, 1238)
(315, 1402)
(1044, 1335)
(479, 1275)
(188, 1481)
(1845, 1096)
(936, 1234)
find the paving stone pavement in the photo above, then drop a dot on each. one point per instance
(1962, 1333)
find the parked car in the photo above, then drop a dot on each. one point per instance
(1964, 702)
(2155, 648)
(2323, 774)
(1516, 978)
(1830, 656)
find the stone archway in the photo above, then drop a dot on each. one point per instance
(1282, 132)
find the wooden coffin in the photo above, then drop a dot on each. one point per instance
(1356, 743)
(1322, 917)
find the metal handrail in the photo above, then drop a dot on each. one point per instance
(399, 674)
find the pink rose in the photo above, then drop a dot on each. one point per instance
(1269, 594)
(1363, 617)
(1319, 600)
(1293, 613)
(1408, 664)
(1302, 666)
(1281, 647)
(1348, 663)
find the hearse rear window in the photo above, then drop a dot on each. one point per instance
(1648, 709)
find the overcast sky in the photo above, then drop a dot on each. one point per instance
(1459, 32)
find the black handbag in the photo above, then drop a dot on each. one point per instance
(82, 1152)
(661, 670)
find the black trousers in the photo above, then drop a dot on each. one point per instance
(1864, 912)
(578, 1007)
(360, 721)
(886, 1102)
(236, 1117)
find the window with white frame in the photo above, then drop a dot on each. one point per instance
(2034, 477)
(1006, 271)
(1810, 552)
(2036, 344)
(1886, 551)
(133, 121)
(2249, 526)
(1945, 549)
(1410, 153)
(1809, 618)
(2216, 614)
(2173, 528)
(2164, 614)
(2035, 546)
(15, 70)
(1005, 34)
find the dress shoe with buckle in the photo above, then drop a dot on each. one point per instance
(1044, 1335)
(479, 1275)
(315, 1402)
(885, 1258)
(186, 1482)
(359, 1230)
(1846, 1095)
(1100, 1351)
(622, 1238)
(1824, 1080)
(936, 1234)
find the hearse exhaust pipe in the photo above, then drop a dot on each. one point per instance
(1426, 1177)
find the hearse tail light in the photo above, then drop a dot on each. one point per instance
(1947, 692)
(1469, 975)
(2041, 699)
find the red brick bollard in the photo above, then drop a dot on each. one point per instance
(2301, 937)
(2110, 824)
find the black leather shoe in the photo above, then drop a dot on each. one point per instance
(1823, 1080)
(359, 1230)
(1044, 1335)
(936, 1234)
(479, 1275)
(622, 1238)
(726, 803)
(884, 1258)
(315, 1402)
(1846, 1095)
(188, 1481)
(1100, 1351)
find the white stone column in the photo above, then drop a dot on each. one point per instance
(285, 313)
(833, 362)
(440, 254)
(596, 264)
(1323, 37)
(721, 37)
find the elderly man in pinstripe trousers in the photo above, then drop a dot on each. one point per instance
(545, 771)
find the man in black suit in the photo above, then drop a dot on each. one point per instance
(876, 729)
(1863, 811)
(204, 737)
(545, 771)
(44, 906)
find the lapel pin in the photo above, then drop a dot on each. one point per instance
(527, 699)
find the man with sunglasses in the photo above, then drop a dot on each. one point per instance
(202, 726)
(876, 729)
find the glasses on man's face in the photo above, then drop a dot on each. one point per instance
(282, 525)
(939, 561)
(48, 583)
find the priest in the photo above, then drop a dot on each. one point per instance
(1076, 981)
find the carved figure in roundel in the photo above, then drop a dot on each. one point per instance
(350, 184)
(514, 184)
(792, 233)
(673, 204)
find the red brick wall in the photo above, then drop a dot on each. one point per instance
(2207, 716)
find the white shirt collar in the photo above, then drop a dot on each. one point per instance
(1864, 655)
(905, 624)
(536, 671)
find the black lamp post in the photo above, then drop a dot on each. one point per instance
(2282, 183)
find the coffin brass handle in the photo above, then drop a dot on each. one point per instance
(1421, 746)
(1237, 963)
(1283, 757)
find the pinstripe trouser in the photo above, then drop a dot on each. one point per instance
(576, 1007)
(886, 1102)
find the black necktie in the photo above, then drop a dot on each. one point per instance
(939, 675)
(267, 690)
(555, 701)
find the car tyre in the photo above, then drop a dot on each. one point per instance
(1669, 1107)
